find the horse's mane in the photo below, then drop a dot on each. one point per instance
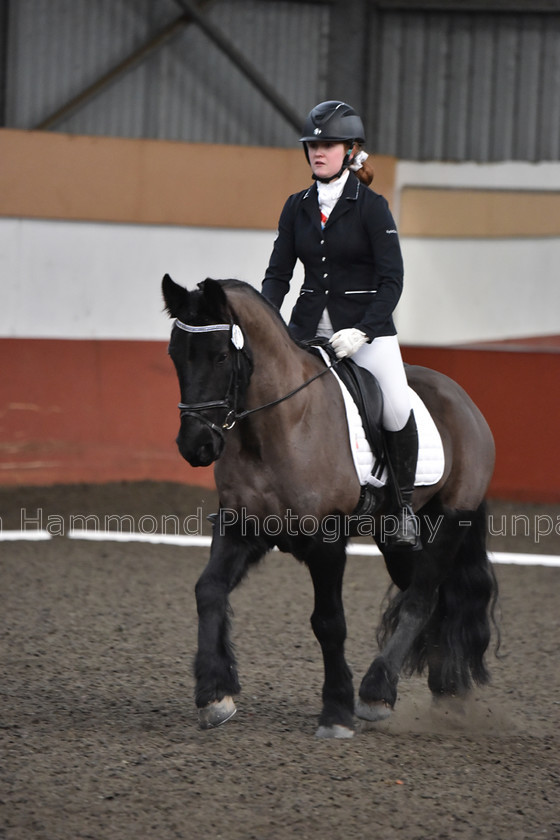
(246, 288)
(250, 291)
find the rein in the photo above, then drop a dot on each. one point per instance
(243, 414)
(238, 340)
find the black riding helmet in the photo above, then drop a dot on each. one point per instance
(333, 122)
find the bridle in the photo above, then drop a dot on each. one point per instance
(231, 400)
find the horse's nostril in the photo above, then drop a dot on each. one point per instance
(199, 454)
(205, 455)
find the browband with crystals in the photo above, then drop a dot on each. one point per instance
(205, 328)
(237, 338)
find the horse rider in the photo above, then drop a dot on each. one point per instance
(346, 238)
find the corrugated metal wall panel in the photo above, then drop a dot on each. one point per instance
(529, 87)
(481, 88)
(456, 107)
(435, 79)
(205, 97)
(384, 84)
(548, 139)
(505, 76)
(458, 86)
(410, 96)
(440, 85)
(189, 90)
(57, 48)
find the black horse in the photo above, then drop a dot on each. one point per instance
(257, 403)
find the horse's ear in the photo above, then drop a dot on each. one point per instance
(215, 297)
(175, 297)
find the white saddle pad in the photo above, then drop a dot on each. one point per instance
(431, 461)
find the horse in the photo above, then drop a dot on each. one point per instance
(261, 407)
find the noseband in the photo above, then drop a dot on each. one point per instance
(230, 401)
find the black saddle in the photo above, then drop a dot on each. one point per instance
(366, 393)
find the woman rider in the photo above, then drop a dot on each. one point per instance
(346, 238)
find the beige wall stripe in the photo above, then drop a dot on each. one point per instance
(62, 176)
(479, 213)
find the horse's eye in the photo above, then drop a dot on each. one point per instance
(223, 357)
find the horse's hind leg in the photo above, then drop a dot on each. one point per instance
(326, 566)
(419, 574)
(442, 619)
(215, 666)
(406, 617)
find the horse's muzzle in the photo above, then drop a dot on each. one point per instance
(199, 444)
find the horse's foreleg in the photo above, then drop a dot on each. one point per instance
(215, 666)
(329, 626)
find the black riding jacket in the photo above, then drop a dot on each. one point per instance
(353, 266)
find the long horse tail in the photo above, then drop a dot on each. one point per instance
(461, 628)
(455, 640)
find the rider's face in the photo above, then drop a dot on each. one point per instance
(325, 158)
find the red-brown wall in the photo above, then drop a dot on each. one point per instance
(94, 411)
(89, 411)
(517, 391)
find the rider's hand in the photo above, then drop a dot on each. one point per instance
(346, 342)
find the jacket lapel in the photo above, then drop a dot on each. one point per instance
(310, 204)
(345, 202)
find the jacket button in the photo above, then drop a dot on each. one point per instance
(323, 259)
(325, 276)
(322, 242)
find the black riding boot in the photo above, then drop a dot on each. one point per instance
(402, 449)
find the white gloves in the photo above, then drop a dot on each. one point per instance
(346, 342)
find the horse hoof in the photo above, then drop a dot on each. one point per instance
(216, 713)
(335, 731)
(372, 711)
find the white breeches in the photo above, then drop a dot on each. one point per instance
(383, 358)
